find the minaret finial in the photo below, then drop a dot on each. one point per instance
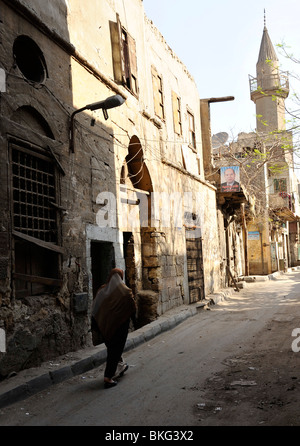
(265, 22)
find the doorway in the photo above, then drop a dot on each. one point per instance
(195, 269)
(103, 260)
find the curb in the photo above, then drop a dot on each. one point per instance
(135, 338)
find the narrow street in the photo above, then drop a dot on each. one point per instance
(232, 365)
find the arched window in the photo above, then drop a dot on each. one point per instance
(28, 116)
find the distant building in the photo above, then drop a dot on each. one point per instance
(267, 171)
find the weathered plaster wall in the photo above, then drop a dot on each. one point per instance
(39, 327)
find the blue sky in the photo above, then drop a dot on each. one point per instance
(219, 42)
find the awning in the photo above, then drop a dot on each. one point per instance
(286, 214)
(234, 197)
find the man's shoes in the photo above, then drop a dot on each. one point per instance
(124, 368)
(108, 384)
(121, 369)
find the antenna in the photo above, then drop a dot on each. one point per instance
(219, 139)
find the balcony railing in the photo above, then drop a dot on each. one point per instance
(279, 81)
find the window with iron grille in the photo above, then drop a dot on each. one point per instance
(36, 260)
(33, 182)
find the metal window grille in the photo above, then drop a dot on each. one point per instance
(33, 182)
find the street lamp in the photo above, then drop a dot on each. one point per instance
(111, 102)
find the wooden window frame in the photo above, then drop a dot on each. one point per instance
(124, 57)
(158, 94)
(176, 101)
(192, 130)
(278, 182)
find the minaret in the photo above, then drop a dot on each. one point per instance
(269, 89)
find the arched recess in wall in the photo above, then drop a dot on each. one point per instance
(35, 206)
(137, 168)
(135, 174)
(29, 117)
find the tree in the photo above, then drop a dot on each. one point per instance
(265, 158)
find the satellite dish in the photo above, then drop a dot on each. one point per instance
(219, 139)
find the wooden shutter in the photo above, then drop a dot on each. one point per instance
(117, 50)
(155, 84)
(132, 63)
(124, 56)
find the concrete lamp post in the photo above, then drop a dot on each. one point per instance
(111, 102)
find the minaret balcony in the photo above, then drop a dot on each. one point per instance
(273, 84)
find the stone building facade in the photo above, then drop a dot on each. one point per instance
(85, 189)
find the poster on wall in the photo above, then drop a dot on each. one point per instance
(230, 179)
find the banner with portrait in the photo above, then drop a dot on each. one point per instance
(230, 179)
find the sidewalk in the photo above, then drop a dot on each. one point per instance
(31, 381)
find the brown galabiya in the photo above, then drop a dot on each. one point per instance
(112, 309)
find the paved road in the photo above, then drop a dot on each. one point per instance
(167, 377)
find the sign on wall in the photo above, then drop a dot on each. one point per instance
(253, 235)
